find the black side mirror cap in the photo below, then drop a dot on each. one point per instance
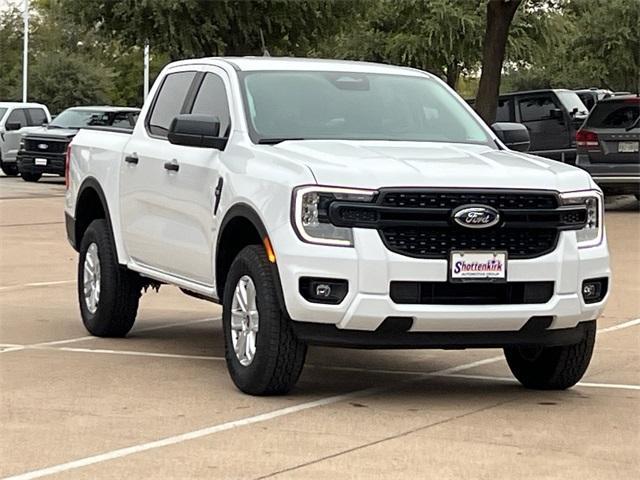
(194, 130)
(515, 136)
(12, 126)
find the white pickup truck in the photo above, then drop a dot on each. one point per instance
(338, 203)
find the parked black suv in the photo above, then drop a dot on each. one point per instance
(43, 150)
(551, 116)
(609, 145)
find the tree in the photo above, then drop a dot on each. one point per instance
(187, 28)
(500, 14)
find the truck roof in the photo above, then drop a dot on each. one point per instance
(248, 64)
(106, 108)
(20, 105)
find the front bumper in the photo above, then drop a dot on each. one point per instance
(369, 268)
(55, 163)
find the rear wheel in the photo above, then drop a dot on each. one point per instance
(263, 355)
(31, 177)
(552, 368)
(108, 293)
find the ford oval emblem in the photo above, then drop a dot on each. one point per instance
(476, 216)
(43, 146)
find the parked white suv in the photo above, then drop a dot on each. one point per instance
(15, 120)
(338, 203)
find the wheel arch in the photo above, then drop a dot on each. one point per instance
(240, 227)
(91, 204)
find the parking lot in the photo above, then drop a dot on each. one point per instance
(159, 404)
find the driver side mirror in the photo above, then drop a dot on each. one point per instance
(12, 126)
(515, 136)
(194, 130)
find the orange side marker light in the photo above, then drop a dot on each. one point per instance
(270, 253)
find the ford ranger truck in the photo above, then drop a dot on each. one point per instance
(338, 203)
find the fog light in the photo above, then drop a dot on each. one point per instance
(594, 290)
(323, 290)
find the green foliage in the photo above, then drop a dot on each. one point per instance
(596, 44)
(60, 80)
(187, 28)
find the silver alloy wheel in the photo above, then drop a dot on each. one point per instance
(91, 278)
(245, 320)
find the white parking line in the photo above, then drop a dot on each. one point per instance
(89, 337)
(164, 442)
(619, 386)
(620, 326)
(7, 288)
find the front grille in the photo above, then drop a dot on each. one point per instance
(449, 199)
(446, 293)
(419, 223)
(53, 146)
(439, 242)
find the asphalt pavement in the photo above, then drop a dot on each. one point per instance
(159, 404)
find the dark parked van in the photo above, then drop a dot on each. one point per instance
(551, 116)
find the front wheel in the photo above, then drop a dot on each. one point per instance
(31, 177)
(552, 368)
(263, 355)
(108, 293)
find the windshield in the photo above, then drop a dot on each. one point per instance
(355, 106)
(75, 118)
(572, 101)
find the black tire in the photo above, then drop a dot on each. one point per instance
(120, 289)
(30, 177)
(10, 169)
(279, 355)
(552, 368)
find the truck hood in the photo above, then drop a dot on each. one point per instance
(55, 133)
(376, 164)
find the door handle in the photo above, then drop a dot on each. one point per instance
(172, 166)
(131, 159)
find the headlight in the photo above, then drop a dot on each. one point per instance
(591, 234)
(310, 213)
(21, 147)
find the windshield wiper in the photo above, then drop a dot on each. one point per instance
(633, 125)
(275, 141)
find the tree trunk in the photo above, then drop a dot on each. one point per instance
(499, 16)
(453, 73)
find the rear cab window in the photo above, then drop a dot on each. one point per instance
(615, 114)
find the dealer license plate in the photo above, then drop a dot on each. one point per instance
(41, 161)
(478, 266)
(628, 147)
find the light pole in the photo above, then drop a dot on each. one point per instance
(146, 69)
(25, 51)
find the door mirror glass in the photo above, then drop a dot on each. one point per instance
(195, 130)
(11, 126)
(515, 136)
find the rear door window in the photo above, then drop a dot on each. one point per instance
(505, 107)
(121, 120)
(614, 114)
(18, 116)
(37, 117)
(212, 100)
(169, 102)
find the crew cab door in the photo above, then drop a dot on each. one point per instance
(168, 191)
(545, 119)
